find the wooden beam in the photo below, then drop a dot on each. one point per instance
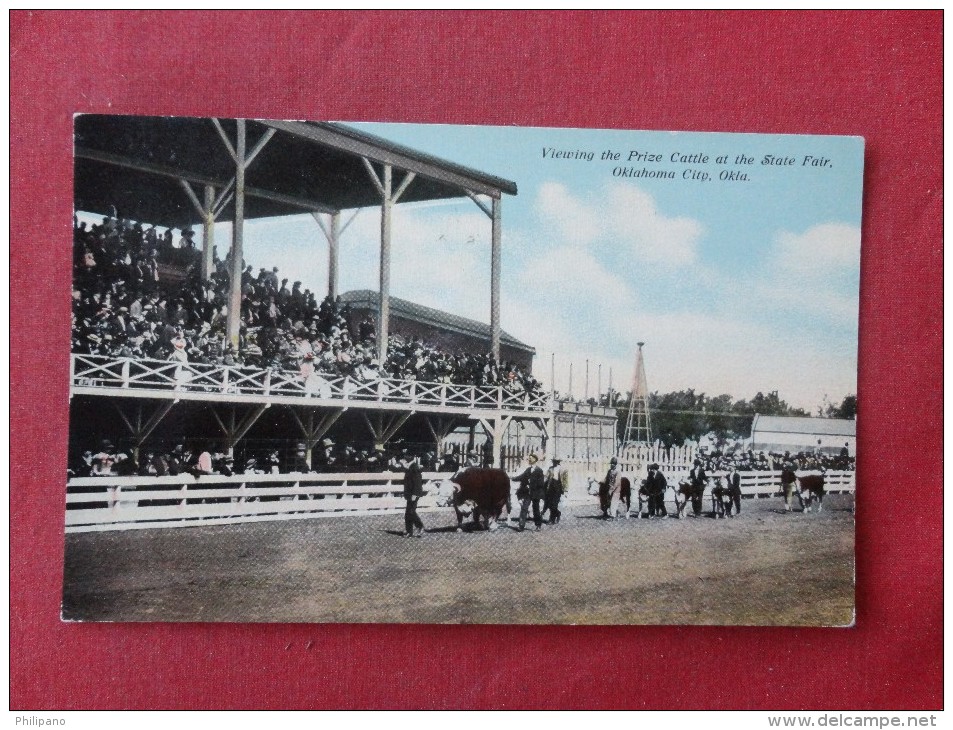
(366, 149)
(373, 175)
(200, 179)
(276, 197)
(374, 431)
(396, 422)
(228, 144)
(154, 420)
(321, 224)
(408, 179)
(350, 220)
(200, 209)
(248, 422)
(480, 204)
(224, 196)
(119, 161)
(259, 146)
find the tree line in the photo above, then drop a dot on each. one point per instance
(685, 414)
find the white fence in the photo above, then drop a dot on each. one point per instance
(121, 503)
(111, 503)
(116, 374)
(754, 484)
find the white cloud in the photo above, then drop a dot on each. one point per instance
(822, 249)
(622, 217)
(815, 273)
(573, 220)
(635, 221)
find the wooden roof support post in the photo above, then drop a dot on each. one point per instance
(495, 264)
(496, 428)
(334, 239)
(140, 431)
(236, 428)
(233, 322)
(242, 161)
(440, 428)
(208, 214)
(383, 309)
(494, 213)
(314, 432)
(332, 234)
(389, 198)
(208, 233)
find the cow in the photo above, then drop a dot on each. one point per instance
(813, 484)
(688, 491)
(597, 488)
(482, 493)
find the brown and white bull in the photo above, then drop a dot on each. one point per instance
(813, 485)
(687, 491)
(480, 493)
(624, 505)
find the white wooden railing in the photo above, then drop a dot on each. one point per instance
(111, 503)
(754, 484)
(120, 503)
(113, 375)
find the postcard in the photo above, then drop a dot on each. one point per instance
(365, 372)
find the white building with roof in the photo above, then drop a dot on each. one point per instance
(795, 433)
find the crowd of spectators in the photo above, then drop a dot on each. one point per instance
(123, 308)
(183, 458)
(749, 460)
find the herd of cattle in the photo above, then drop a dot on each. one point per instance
(484, 495)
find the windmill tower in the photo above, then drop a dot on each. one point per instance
(638, 426)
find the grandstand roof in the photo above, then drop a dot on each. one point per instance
(367, 299)
(138, 163)
(812, 426)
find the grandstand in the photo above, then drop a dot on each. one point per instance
(175, 347)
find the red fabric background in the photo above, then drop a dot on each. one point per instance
(874, 74)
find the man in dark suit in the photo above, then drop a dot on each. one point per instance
(655, 485)
(532, 489)
(788, 483)
(734, 490)
(697, 478)
(413, 491)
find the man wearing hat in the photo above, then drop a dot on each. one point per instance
(557, 483)
(608, 490)
(734, 489)
(655, 485)
(299, 463)
(413, 491)
(788, 482)
(697, 478)
(532, 489)
(324, 460)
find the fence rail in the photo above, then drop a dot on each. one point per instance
(754, 484)
(111, 503)
(120, 503)
(118, 374)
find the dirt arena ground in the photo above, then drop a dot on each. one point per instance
(763, 568)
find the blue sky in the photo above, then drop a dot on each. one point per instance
(735, 287)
